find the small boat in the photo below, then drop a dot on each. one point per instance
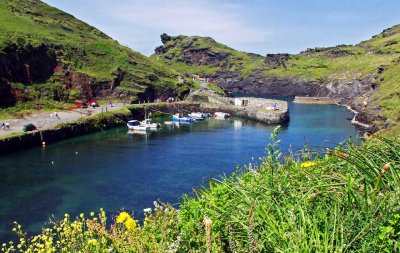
(207, 114)
(180, 118)
(221, 115)
(197, 116)
(135, 125)
(147, 123)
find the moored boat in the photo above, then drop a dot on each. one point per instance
(148, 123)
(135, 125)
(196, 116)
(178, 117)
(221, 115)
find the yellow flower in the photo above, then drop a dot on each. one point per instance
(92, 241)
(130, 224)
(307, 164)
(122, 217)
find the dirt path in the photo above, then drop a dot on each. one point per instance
(203, 85)
(43, 120)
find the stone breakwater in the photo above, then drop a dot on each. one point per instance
(258, 109)
(316, 100)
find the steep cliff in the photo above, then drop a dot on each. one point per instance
(48, 54)
(363, 76)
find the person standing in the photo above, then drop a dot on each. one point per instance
(6, 125)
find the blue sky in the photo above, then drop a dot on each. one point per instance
(256, 26)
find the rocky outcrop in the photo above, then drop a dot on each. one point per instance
(27, 64)
(331, 52)
(7, 96)
(270, 85)
(191, 52)
(276, 60)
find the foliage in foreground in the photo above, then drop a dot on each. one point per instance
(345, 200)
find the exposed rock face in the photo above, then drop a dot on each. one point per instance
(270, 85)
(27, 64)
(191, 52)
(276, 60)
(7, 96)
(332, 52)
(88, 88)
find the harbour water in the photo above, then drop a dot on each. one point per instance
(114, 170)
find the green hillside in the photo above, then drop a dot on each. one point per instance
(374, 63)
(29, 27)
(203, 55)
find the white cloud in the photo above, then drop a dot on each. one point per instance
(220, 20)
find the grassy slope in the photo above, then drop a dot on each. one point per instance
(238, 61)
(81, 46)
(355, 63)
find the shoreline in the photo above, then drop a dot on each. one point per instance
(17, 141)
(333, 101)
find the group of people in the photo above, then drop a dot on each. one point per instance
(54, 116)
(5, 125)
(170, 99)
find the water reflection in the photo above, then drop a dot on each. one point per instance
(114, 170)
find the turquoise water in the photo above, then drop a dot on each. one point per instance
(114, 170)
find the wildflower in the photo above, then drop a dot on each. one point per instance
(122, 217)
(307, 164)
(92, 241)
(130, 224)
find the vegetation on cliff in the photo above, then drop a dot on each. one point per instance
(47, 54)
(203, 55)
(345, 200)
(365, 75)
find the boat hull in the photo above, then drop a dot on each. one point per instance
(181, 119)
(138, 128)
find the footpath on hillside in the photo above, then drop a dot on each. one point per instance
(44, 120)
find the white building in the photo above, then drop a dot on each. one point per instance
(241, 102)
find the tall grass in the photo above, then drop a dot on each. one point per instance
(345, 200)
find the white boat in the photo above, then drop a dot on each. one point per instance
(136, 126)
(221, 115)
(147, 123)
(178, 117)
(196, 116)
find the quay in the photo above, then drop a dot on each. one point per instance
(268, 111)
